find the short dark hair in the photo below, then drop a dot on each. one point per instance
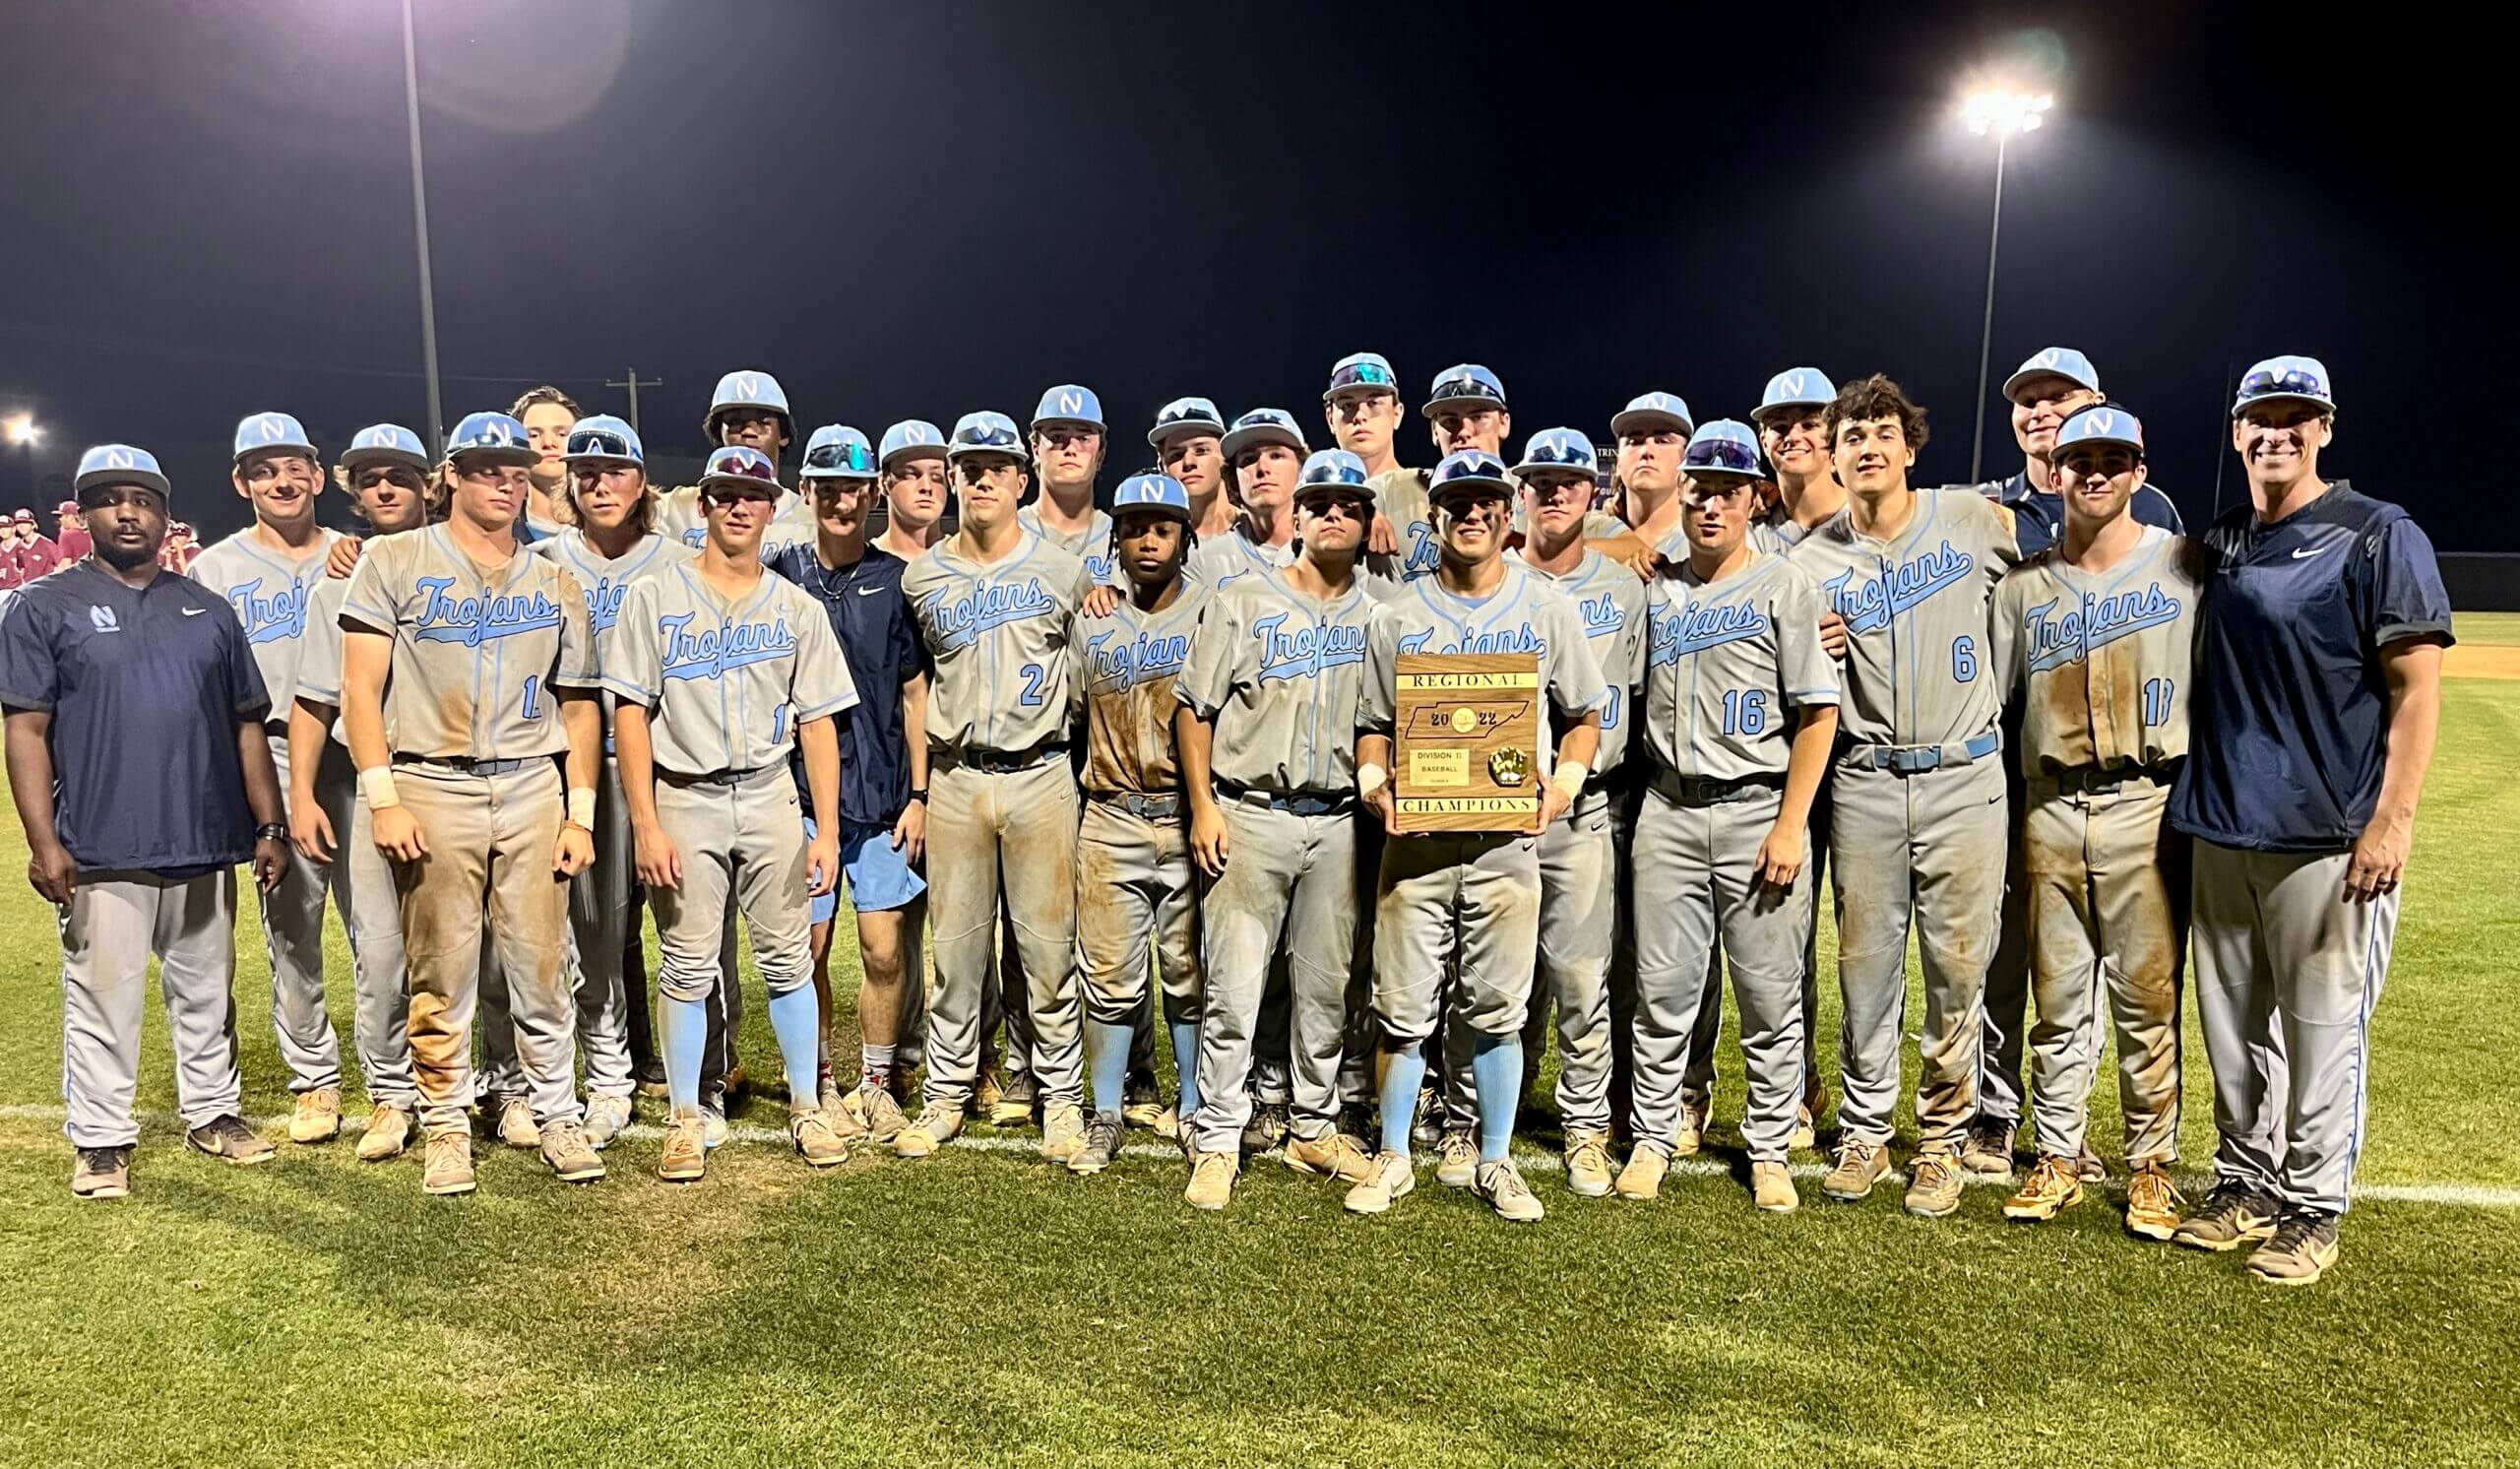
(545, 394)
(1877, 397)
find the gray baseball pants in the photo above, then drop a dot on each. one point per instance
(1579, 886)
(112, 926)
(293, 939)
(1009, 832)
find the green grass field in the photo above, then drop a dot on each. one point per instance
(981, 1307)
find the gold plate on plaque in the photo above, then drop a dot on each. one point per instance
(1465, 741)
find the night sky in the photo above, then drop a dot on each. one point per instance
(918, 209)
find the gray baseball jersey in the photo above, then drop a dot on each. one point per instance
(679, 518)
(2102, 662)
(1230, 555)
(1092, 546)
(1724, 663)
(1610, 599)
(1278, 673)
(1128, 664)
(1916, 614)
(319, 660)
(1400, 497)
(1774, 530)
(1524, 615)
(996, 636)
(477, 651)
(269, 594)
(607, 581)
(728, 681)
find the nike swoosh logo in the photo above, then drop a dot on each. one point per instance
(2305, 552)
(869, 591)
(195, 612)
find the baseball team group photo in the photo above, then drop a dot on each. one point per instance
(1822, 878)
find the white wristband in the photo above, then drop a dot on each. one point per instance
(582, 807)
(1568, 779)
(1369, 779)
(377, 784)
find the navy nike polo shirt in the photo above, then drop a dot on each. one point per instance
(872, 619)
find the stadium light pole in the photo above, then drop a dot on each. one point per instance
(2002, 113)
(421, 233)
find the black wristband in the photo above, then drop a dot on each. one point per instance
(271, 831)
(918, 793)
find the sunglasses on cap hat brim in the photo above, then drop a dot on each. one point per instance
(598, 443)
(1361, 377)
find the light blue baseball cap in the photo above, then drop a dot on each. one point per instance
(1185, 416)
(1559, 451)
(492, 436)
(386, 443)
(1468, 469)
(986, 432)
(119, 464)
(740, 464)
(1161, 494)
(1648, 412)
(911, 438)
(1263, 425)
(1070, 403)
(2301, 379)
(604, 438)
(261, 434)
(838, 452)
(1362, 371)
(2101, 423)
(1467, 386)
(1795, 387)
(1333, 470)
(2052, 361)
(748, 388)
(1725, 446)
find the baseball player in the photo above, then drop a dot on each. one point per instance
(1463, 903)
(2050, 386)
(1918, 815)
(385, 470)
(1269, 772)
(72, 535)
(1651, 434)
(1188, 441)
(1579, 863)
(915, 486)
(2098, 635)
(1068, 444)
(993, 603)
(1133, 866)
(1792, 423)
(136, 760)
(611, 546)
(1464, 411)
(548, 416)
(265, 573)
(1740, 710)
(37, 555)
(883, 778)
(2321, 681)
(1264, 456)
(466, 667)
(1361, 405)
(717, 667)
(749, 410)
(180, 548)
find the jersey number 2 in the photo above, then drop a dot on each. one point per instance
(1031, 694)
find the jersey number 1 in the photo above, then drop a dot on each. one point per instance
(2156, 693)
(533, 697)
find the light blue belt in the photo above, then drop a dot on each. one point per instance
(1911, 759)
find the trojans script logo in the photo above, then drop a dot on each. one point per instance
(2100, 621)
(1895, 589)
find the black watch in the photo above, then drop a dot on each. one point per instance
(271, 831)
(918, 793)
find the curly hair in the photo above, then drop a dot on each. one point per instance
(1877, 397)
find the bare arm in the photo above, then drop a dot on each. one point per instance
(909, 832)
(1783, 853)
(49, 868)
(262, 796)
(366, 659)
(1581, 742)
(581, 717)
(1374, 751)
(1194, 742)
(820, 740)
(309, 722)
(2413, 669)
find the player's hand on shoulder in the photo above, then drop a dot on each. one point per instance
(1631, 551)
(1100, 600)
(653, 854)
(1833, 634)
(909, 832)
(397, 833)
(1382, 539)
(343, 558)
(1207, 837)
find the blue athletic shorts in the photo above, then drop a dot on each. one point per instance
(878, 879)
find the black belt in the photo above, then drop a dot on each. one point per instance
(1004, 762)
(1698, 791)
(1144, 808)
(468, 765)
(714, 777)
(2097, 780)
(1293, 803)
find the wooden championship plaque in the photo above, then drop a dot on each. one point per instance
(1466, 742)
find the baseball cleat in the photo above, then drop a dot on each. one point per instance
(988, 1092)
(817, 1141)
(572, 1157)
(1456, 1160)
(1933, 1185)
(1861, 1165)
(1807, 1135)
(388, 1133)
(1389, 1182)
(1062, 1132)
(1986, 1149)
(1426, 1123)
(732, 1084)
(1014, 1104)
(605, 1117)
(1772, 1189)
(651, 1081)
(1210, 1181)
(2089, 1168)
(2052, 1187)
(1141, 1107)
(1266, 1129)
(1333, 1155)
(1695, 1113)
(1587, 1162)
(1501, 1183)
(848, 1123)
(317, 1117)
(1101, 1144)
(449, 1166)
(229, 1138)
(712, 1124)
(2233, 1215)
(516, 1124)
(102, 1172)
(1642, 1179)
(825, 1089)
(2152, 1202)
(2303, 1248)
(686, 1159)
(876, 1111)
(940, 1123)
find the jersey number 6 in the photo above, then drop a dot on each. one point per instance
(1964, 658)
